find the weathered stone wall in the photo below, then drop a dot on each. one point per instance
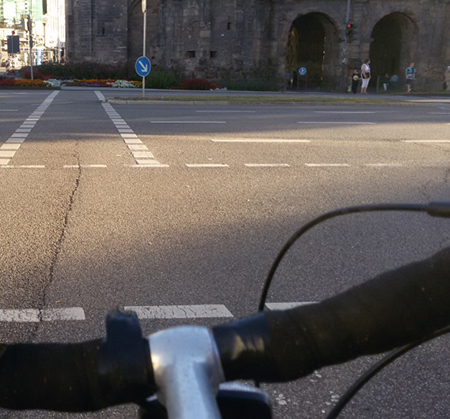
(248, 38)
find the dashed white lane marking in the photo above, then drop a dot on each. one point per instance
(261, 140)
(207, 165)
(181, 312)
(327, 165)
(188, 122)
(286, 306)
(7, 150)
(225, 111)
(383, 165)
(267, 165)
(36, 315)
(335, 123)
(425, 141)
(10, 146)
(142, 156)
(9, 110)
(344, 112)
(93, 166)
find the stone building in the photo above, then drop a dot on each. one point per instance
(267, 39)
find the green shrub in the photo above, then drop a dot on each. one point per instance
(162, 79)
(84, 70)
(197, 84)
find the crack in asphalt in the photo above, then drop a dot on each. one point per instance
(58, 245)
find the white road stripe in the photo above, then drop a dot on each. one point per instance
(9, 110)
(344, 112)
(137, 147)
(188, 122)
(99, 95)
(22, 133)
(255, 140)
(225, 111)
(15, 140)
(35, 315)
(267, 165)
(327, 165)
(92, 166)
(142, 155)
(148, 163)
(7, 153)
(10, 146)
(145, 158)
(286, 306)
(207, 165)
(383, 164)
(181, 312)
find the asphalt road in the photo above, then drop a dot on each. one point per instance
(178, 211)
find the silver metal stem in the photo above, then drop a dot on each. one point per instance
(187, 372)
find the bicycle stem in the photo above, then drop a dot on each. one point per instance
(187, 371)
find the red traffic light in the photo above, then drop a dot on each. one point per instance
(13, 32)
(349, 25)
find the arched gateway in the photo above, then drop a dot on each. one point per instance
(265, 39)
(394, 45)
(314, 45)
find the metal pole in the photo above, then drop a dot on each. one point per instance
(345, 52)
(143, 53)
(30, 46)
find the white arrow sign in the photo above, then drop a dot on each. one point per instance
(144, 68)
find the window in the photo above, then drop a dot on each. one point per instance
(190, 54)
(212, 54)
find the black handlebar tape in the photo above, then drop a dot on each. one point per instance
(393, 309)
(78, 377)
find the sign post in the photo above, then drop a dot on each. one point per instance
(143, 67)
(144, 12)
(303, 72)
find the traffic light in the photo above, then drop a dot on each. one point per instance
(349, 29)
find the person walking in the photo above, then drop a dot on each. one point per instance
(410, 75)
(365, 76)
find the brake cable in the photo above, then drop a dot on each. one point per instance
(435, 209)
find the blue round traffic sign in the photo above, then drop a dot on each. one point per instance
(302, 71)
(143, 66)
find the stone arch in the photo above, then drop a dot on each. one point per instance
(394, 44)
(312, 42)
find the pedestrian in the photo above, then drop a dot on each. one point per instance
(386, 82)
(365, 75)
(410, 75)
(355, 81)
(446, 82)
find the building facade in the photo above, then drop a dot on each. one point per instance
(267, 39)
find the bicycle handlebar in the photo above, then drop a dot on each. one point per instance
(397, 307)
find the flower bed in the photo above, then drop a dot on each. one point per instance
(10, 82)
